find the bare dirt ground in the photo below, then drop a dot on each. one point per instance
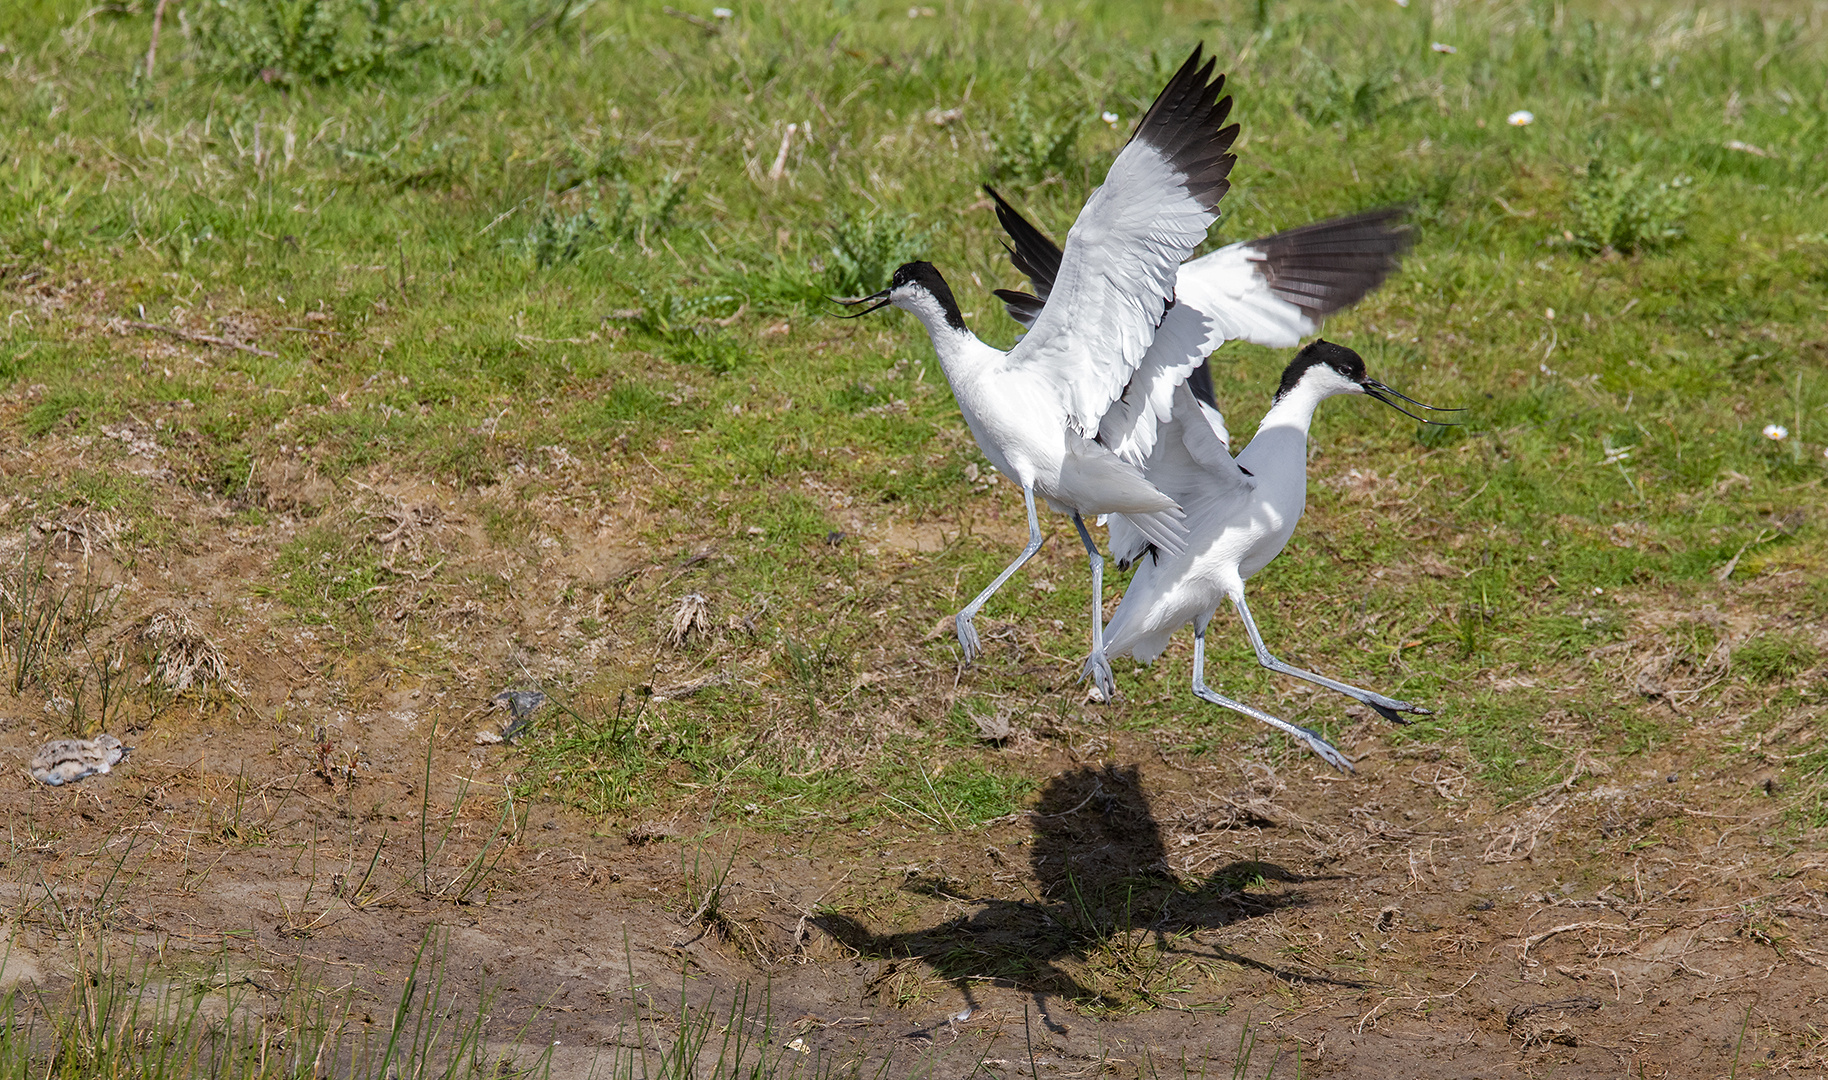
(1148, 908)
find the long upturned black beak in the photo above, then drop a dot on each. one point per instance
(1384, 394)
(881, 301)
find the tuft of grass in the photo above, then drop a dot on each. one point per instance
(608, 218)
(123, 1016)
(866, 249)
(704, 889)
(1620, 208)
(690, 329)
(1329, 97)
(1771, 658)
(179, 655)
(1036, 140)
(508, 525)
(285, 42)
(959, 796)
(727, 1042)
(555, 239)
(1810, 808)
(44, 625)
(586, 757)
(474, 875)
(326, 576)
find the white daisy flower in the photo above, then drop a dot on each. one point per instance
(1776, 432)
(1108, 117)
(1443, 47)
(1521, 118)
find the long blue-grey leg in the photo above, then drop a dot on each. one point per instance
(1315, 742)
(967, 634)
(1390, 708)
(1096, 665)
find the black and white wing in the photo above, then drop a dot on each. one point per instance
(1270, 291)
(1033, 255)
(1117, 273)
(1275, 290)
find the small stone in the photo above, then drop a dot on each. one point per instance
(649, 832)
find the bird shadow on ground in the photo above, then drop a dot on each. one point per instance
(1108, 906)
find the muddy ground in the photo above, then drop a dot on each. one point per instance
(1149, 906)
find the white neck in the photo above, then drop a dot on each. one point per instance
(961, 354)
(1278, 453)
(1295, 409)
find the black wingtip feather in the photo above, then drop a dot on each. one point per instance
(1200, 382)
(1331, 265)
(1034, 255)
(1184, 124)
(1022, 307)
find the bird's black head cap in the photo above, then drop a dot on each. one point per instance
(925, 275)
(910, 275)
(1351, 366)
(1322, 351)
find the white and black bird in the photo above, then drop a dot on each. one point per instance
(1240, 514)
(1038, 411)
(1271, 291)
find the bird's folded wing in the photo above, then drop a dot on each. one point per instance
(1192, 464)
(1117, 273)
(1101, 479)
(1202, 432)
(1132, 423)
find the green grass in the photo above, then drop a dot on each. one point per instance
(473, 232)
(123, 1017)
(326, 574)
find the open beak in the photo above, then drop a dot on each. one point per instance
(1386, 395)
(881, 301)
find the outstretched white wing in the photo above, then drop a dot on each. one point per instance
(1117, 273)
(1270, 291)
